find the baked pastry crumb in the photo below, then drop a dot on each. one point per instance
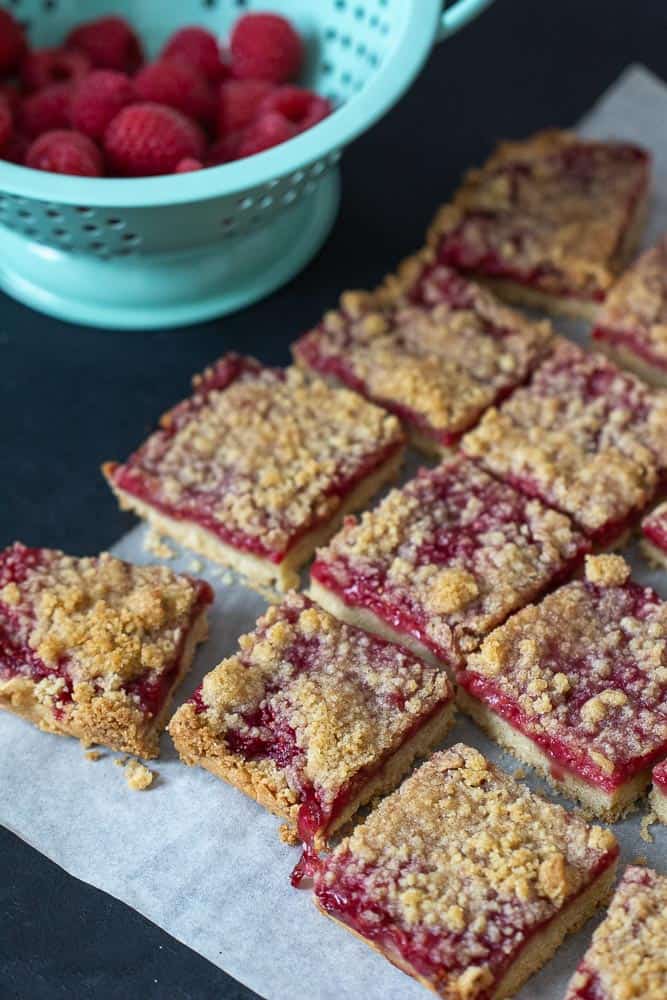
(157, 546)
(93, 755)
(138, 776)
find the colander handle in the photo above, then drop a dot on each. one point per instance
(458, 14)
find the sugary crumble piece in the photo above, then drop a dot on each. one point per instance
(583, 436)
(138, 776)
(259, 466)
(465, 879)
(547, 221)
(607, 570)
(94, 647)
(659, 793)
(439, 563)
(93, 755)
(576, 686)
(156, 545)
(430, 346)
(654, 535)
(312, 717)
(627, 959)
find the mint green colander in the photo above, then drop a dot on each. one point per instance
(166, 251)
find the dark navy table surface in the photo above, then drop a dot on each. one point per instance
(71, 397)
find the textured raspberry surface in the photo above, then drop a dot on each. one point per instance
(302, 107)
(224, 150)
(266, 47)
(239, 103)
(148, 139)
(98, 99)
(179, 85)
(46, 110)
(12, 43)
(65, 152)
(188, 164)
(200, 49)
(6, 123)
(269, 130)
(43, 67)
(15, 150)
(109, 42)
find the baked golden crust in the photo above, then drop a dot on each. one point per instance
(627, 959)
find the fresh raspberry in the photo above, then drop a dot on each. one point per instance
(10, 92)
(146, 139)
(109, 42)
(98, 99)
(46, 110)
(178, 85)
(269, 130)
(187, 165)
(224, 150)
(43, 67)
(6, 122)
(16, 149)
(200, 49)
(239, 103)
(13, 44)
(65, 152)
(302, 107)
(265, 47)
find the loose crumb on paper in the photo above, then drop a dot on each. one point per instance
(120, 761)
(93, 755)
(137, 775)
(519, 773)
(288, 834)
(196, 566)
(155, 544)
(647, 821)
(641, 859)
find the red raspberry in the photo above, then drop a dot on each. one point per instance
(178, 85)
(46, 110)
(225, 149)
(147, 139)
(12, 43)
(98, 99)
(239, 103)
(16, 149)
(43, 67)
(265, 47)
(6, 122)
(302, 107)
(187, 165)
(200, 49)
(65, 152)
(10, 93)
(109, 42)
(269, 130)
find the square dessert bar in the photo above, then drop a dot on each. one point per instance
(431, 347)
(95, 647)
(313, 718)
(576, 686)
(442, 561)
(259, 466)
(654, 535)
(627, 959)
(631, 326)
(466, 880)
(584, 436)
(548, 221)
(659, 793)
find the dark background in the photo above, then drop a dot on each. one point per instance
(71, 397)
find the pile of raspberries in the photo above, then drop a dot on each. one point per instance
(94, 108)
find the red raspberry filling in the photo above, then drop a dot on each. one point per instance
(660, 777)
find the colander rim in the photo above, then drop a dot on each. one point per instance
(401, 65)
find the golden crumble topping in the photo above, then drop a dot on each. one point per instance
(607, 570)
(627, 959)
(461, 862)
(138, 776)
(449, 555)
(583, 435)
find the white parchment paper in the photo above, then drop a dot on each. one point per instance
(201, 860)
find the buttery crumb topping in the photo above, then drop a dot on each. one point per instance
(138, 776)
(607, 570)
(452, 553)
(583, 435)
(551, 210)
(459, 865)
(627, 959)
(258, 455)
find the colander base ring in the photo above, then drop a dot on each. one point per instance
(146, 292)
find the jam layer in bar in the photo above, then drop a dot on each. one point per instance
(627, 959)
(584, 436)
(95, 647)
(654, 535)
(548, 221)
(442, 561)
(259, 467)
(631, 327)
(465, 879)
(659, 793)
(312, 718)
(576, 686)
(431, 347)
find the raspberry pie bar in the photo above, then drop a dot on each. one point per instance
(312, 718)
(659, 793)
(94, 648)
(583, 436)
(431, 347)
(259, 466)
(466, 880)
(548, 221)
(631, 327)
(627, 959)
(442, 561)
(654, 532)
(577, 686)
